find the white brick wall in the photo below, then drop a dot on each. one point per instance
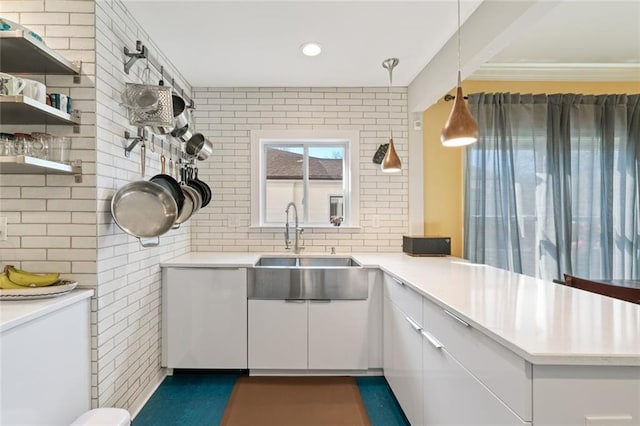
(56, 224)
(42, 209)
(227, 116)
(127, 344)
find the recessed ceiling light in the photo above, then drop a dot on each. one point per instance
(311, 49)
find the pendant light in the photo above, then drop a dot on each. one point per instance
(461, 128)
(391, 162)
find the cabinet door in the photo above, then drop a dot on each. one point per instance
(204, 318)
(387, 339)
(406, 360)
(452, 396)
(277, 334)
(45, 366)
(338, 335)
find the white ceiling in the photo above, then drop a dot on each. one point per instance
(256, 43)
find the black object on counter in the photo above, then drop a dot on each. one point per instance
(426, 246)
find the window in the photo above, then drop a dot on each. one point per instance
(307, 168)
(336, 209)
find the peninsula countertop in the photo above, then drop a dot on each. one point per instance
(543, 322)
(16, 312)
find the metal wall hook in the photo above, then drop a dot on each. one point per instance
(390, 64)
(142, 136)
(141, 53)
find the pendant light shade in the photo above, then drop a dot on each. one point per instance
(391, 162)
(461, 128)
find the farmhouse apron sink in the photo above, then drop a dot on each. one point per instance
(307, 278)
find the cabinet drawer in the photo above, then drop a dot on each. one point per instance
(452, 396)
(404, 298)
(506, 374)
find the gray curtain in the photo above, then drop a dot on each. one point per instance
(552, 186)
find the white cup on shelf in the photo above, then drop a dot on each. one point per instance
(11, 85)
(35, 90)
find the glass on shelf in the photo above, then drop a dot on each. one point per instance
(59, 148)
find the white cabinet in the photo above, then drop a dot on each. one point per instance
(204, 318)
(45, 360)
(338, 334)
(403, 347)
(452, 396)
(578, 395)
(502, 372)
(433, 385)
(469, 379)
(308, 335)
(277, 334)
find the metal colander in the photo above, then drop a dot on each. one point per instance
(161, 114)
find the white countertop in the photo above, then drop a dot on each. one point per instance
(16, 312)
(543, 322)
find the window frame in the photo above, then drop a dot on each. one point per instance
(351, 176)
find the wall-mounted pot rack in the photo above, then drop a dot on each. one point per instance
(143, 53)
(143, 136)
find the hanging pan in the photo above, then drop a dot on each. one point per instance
(169, 183)
(206, 189)
(144, 209)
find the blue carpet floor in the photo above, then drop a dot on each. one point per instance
(194, 399)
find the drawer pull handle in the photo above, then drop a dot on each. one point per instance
(320, 300)
(397, 281)
(414, 324)
(295, 300)
(434, 342)
(455, 317)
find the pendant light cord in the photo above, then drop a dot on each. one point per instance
(390, 64)
(459, 62)
(389, 90)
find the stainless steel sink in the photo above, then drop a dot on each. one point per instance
(299, 261)
(307, 278)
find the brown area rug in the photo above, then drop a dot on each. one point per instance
(295, 401)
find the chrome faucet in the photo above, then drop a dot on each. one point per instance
(298, 231)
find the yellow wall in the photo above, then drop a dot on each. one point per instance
(443, 172)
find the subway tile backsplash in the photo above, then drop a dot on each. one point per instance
(227, 116)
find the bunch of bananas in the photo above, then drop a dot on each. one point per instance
(13, 278)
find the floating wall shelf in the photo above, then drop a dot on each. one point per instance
(24, 110)
(20, 52)
(23, 164)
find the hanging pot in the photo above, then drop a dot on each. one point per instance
(192, 144)
(181, 115)
(206, 150)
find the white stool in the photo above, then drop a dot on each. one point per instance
(104, 417)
